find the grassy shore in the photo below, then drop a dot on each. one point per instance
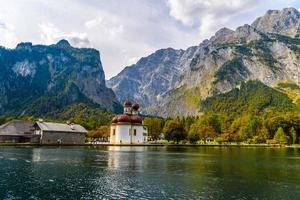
(155, 144)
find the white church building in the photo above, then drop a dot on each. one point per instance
(128, 128)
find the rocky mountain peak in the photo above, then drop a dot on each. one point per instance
(63, 43)
(285, 22)
(246, 33)
(223, 32)
(24, 46)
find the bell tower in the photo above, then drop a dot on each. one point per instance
(127, 107)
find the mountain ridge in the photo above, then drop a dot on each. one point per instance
(267, 50)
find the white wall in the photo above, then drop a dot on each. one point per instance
(124, 134)
(139, 137)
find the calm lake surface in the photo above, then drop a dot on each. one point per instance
(149, 173)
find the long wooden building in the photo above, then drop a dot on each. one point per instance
(19, 131)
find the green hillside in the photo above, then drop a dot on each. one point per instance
(252, 96)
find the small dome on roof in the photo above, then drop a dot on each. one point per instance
(135, 106)
(135, 119)
(127, 103)
(124, 119)
(115, 119)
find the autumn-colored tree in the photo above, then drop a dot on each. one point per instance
(101, 132)
(173, 130)
(199, 131)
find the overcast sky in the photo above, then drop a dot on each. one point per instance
(125, 30)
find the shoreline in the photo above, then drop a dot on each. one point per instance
(147, 145)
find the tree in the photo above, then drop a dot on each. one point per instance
(280, 137)
(101, 132)
(154, 127)
(239, 129)
(174, 131)
(263, 134)
(193, 134)
(188, 122)
(199, 131)
(293, 135)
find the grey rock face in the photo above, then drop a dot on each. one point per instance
(268, 51)
(151, 76)
(285, 22)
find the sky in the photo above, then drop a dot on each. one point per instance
(126, 30)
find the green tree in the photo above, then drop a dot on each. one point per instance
(293, 135)
(280, 137)
(154, 127)
(263, 134)
(174, 131)
(239, 129)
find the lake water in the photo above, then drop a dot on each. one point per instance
(149, 173)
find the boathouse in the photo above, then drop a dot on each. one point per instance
(18, 131)
(128, 127)
(58, 133)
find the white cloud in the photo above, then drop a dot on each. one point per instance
(207, 15)
(51, 34)
(132, 60)
(125, 30)
(8, 37)
(109, 26)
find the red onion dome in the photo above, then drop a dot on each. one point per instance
(127, 104)
(115, 119)
(124, 119)
(135, 119)
(135, 106)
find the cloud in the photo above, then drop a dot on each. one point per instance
(8, 37)
(126, 30)
(206, 15)
(51, 34)
(108, 26)
(191, 12)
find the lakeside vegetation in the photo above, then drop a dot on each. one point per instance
(251, 114)
(268, 127)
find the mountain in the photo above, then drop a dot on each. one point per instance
(284, 22)
(268, 50)
(38, 79)
(151, 76)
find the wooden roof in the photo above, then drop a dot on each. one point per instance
(59, 127)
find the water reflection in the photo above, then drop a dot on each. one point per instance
(149, 173)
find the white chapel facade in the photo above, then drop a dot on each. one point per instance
(128, 127)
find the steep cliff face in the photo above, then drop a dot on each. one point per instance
(152, 76)
(268, 51)
(285, 22)
(38, 79)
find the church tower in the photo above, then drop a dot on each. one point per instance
(128, 127)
